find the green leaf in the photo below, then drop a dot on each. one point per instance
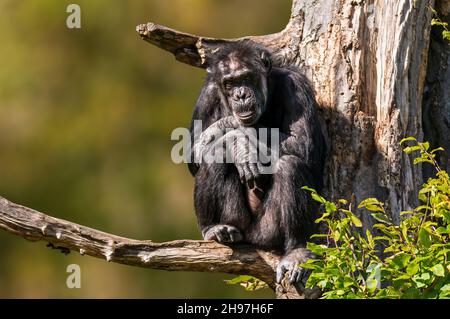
(439, 149)
(308, 266)
(438, 22)
(372, 284)
(323, 217)
(424, 238)
(406, 212)
(317, 249)
(389, 249)
(340, 292)
(381, 218)
(422, 160)
(370, 202)
(318, 198)
(319, 236)
(446, 35)
(408, 139)
(250, 283)
(423, 207)
(411, 293)
(425, 145)
(438, 270)
(401, 260)
(330, 207)
(356, 221)
(410, 149)
(238, 279)
(370, 239)
(306, 188)
(412, 268)
(445, 287)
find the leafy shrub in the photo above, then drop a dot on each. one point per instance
(408, 260)
(437, 21)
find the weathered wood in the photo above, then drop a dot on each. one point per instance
(367, 61)
(189, 255)
(184, 255)
(196, 50)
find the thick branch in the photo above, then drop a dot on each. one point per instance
(196, 50)
(186, 255)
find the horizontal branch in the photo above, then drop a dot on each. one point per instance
(196, 50)
(187, 255)
(184, 255)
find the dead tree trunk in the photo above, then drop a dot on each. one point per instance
(368, 63)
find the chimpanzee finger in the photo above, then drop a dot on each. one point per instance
(235, 235)
(303, 275)
(249, 176)
(261, 168)
(240, 169)
(254, 169)
(295, 275)
(219, 236)
(281, 270)
(225, 235)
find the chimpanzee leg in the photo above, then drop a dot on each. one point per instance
(220, 203)
(296, 221)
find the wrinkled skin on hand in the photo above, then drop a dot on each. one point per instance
(240, 146)
(289, 265)
(216, 130)
(224, 234)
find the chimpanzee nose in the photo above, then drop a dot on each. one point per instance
(241, 95)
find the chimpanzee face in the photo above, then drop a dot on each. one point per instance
(243, 83)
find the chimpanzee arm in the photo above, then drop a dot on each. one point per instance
(208, 110)
(302, 142)
(301, 134)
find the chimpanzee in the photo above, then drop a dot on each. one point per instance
(234, 202)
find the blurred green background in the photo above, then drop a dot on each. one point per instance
(85, 122)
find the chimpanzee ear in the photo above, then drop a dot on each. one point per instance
(267, 61)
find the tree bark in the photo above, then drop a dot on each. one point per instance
(368, 63)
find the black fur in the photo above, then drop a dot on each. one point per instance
(286, 218)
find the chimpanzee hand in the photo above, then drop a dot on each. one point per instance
(242, 146)
(215, 132)
(290, 264)
(218, 129)
(223, 234)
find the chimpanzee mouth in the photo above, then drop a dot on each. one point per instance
(247, 117)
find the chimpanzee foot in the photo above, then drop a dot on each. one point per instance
(223, 234)
(290, 264)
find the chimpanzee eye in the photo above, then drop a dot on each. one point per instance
(249, 78)
(228, 86)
